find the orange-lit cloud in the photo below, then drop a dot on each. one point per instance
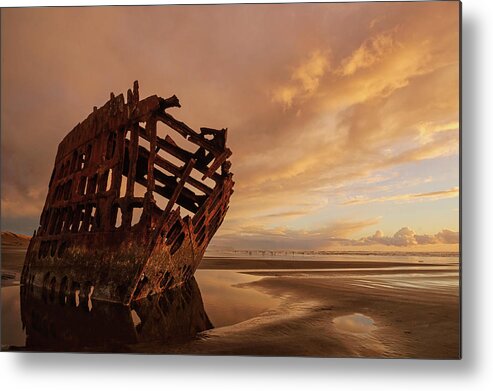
(433, 195)
(406, 237)
(305, 79)
(370, 52)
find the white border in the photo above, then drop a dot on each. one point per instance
(473, 372)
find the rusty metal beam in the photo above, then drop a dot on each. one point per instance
(188, 133)
(176, 171)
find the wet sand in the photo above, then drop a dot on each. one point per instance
(345, 306)
(411, 321)
(347, 261)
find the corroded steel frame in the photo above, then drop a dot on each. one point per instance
(80, 247)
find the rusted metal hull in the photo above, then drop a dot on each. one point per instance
(97, 235)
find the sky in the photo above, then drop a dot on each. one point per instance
(343, 118)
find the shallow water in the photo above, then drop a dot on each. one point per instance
(354, 323)
(227, 301)
(13, 333)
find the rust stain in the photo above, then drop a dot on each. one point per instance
(134, 199)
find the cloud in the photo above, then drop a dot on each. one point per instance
(286, 94)
(374, 22)
(430, 196)
(305, 79)
(293, 213)
(309, 73)
(369, 53)
(343, 229)
(428, 130)
(406, 237)
(448, 236)
(454, 192)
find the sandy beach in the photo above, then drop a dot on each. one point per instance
(319, 314)
(331, 306)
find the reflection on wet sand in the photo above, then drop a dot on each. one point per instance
(69, 323)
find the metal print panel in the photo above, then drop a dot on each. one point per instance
(282, 179)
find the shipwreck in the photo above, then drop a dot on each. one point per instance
(133, 201)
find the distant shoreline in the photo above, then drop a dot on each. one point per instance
(12, 239)
(340, 252)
